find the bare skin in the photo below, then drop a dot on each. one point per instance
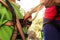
(10, 23)
(40, 6)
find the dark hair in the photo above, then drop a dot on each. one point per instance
(13, 12)
(58, 9)
(13, 15)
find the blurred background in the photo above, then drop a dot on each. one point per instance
(29, 4)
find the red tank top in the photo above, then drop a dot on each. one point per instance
(50, 13)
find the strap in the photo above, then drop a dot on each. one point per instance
(9, 7)
(15, 22)
(4, 4)
(12, 11)
(18, 25)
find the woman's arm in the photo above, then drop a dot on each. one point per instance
(19, 27)
(37, 8)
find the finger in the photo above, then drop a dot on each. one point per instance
(25, 17)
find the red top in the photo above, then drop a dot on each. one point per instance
(50, 12)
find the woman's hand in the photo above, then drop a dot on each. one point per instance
(26, 16)
(9, 23)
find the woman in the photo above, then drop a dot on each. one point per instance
(8, 20)
(51, 31)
